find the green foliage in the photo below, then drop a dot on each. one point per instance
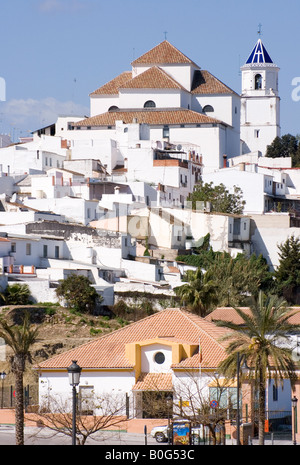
(77, 292)
(234, 279)
(287, 275)
(199, 292)
(260, 341)
(285, 146)
(16, 294)
(221, 199)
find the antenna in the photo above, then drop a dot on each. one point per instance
(165, 32)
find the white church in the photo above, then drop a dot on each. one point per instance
(180, 103)
(165, 122)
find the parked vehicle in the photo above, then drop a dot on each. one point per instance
(160, 433)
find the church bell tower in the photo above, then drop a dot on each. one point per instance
(260, 102)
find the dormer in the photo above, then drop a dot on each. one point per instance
(159, 354)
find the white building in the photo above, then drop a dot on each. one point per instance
(260, 102)
(177, 99)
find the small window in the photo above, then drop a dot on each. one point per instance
(113, 108)
(208, 109)
(258, 81)
(56, 251)
(13, 247)
(256, 133)
(45, 251)
(166, 131)
(149, 104)
(28, 249)
(159, 358)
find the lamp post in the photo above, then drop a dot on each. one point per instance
(2, 376)
(74, 371)
(169, 402)
(294, 406)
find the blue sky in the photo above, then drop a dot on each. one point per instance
(55, 52)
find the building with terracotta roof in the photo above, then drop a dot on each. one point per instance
(178, 100)
(158, 354)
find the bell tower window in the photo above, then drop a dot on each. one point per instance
(258, 81)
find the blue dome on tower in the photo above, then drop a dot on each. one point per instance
(259, 54)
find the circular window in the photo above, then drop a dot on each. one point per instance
(149, 104)
(159, 358)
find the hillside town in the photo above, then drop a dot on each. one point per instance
(91, 194)
(109, 196)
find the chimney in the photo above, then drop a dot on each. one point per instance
(224, 161)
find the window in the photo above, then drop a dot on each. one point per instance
(149, 104)
(13, 247)
(45, 251)
(258, 81)
(166, 131)
(226, 398)
(159, 358)
(28, 249)
(113, 108)
(56, 251)
(208, 109)
(256, 133)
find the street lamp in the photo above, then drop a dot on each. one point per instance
(169, 402)
(74, 371)
(294, 406)
(2, 376)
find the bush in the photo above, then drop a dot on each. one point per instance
(77, 292)
(16, 294)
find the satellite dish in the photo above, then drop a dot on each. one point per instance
(179, 147)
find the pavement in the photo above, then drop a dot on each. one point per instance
(44, 436)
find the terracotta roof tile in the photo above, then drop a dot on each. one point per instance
(154, 382)
(148, 116)
(112, 87)
(229, 314)
(205, 83)
(163, 53)
(152, 78)
(109, 351)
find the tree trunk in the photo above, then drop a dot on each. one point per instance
(261, 410)
(19, 406)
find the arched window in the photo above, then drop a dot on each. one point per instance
(208, 109)
(149, 104)
(113, 108)
(258, 81)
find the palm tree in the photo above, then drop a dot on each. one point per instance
(199, 291)
(19, 339)
(263, 341)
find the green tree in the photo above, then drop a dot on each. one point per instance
(285, 146)
(260, 340)
(19, 339)
(238, 278)
(287, 275)
(220, 198)
(198, 292)
(77, 292)
(16, 294)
